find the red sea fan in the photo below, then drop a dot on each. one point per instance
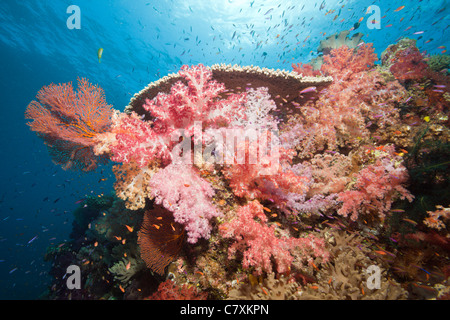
(69, 121)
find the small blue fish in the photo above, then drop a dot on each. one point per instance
(34, 238)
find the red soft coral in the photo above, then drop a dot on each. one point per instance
(268, 179)
(192, 103)
(343, 62)
(134, 140)
(377, 186)
(305, 69)
(259, 244)
(408, 64)
(167, 290)
(358, 102)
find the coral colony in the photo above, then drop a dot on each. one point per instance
(249, 183)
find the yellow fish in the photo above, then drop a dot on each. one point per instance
(99, 55)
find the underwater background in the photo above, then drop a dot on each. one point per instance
(143, 41)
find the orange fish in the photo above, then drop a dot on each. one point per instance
(315, 267)
(410, 221)
(121, 288)
(380, 252)
(95, 244)
(361, 19)
(156, 226)
(118, 238)
(267, 209)
(129, 228)
(128, 265)
(399, 8)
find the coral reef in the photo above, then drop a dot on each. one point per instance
(438, 62)
(248, 183)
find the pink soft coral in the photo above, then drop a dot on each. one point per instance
(198, 100)
(180, 189)
(305, 69)
(134, 140)
(259, 244)
(268, 179)
(358, 102)
(377, 186)
(194, 101)
(343, 62)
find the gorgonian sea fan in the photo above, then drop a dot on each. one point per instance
(69, 121)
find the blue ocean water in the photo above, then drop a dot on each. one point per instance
(142, 41)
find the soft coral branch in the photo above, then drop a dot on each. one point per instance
(259, 244)
(377, 186)
(180, 189)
